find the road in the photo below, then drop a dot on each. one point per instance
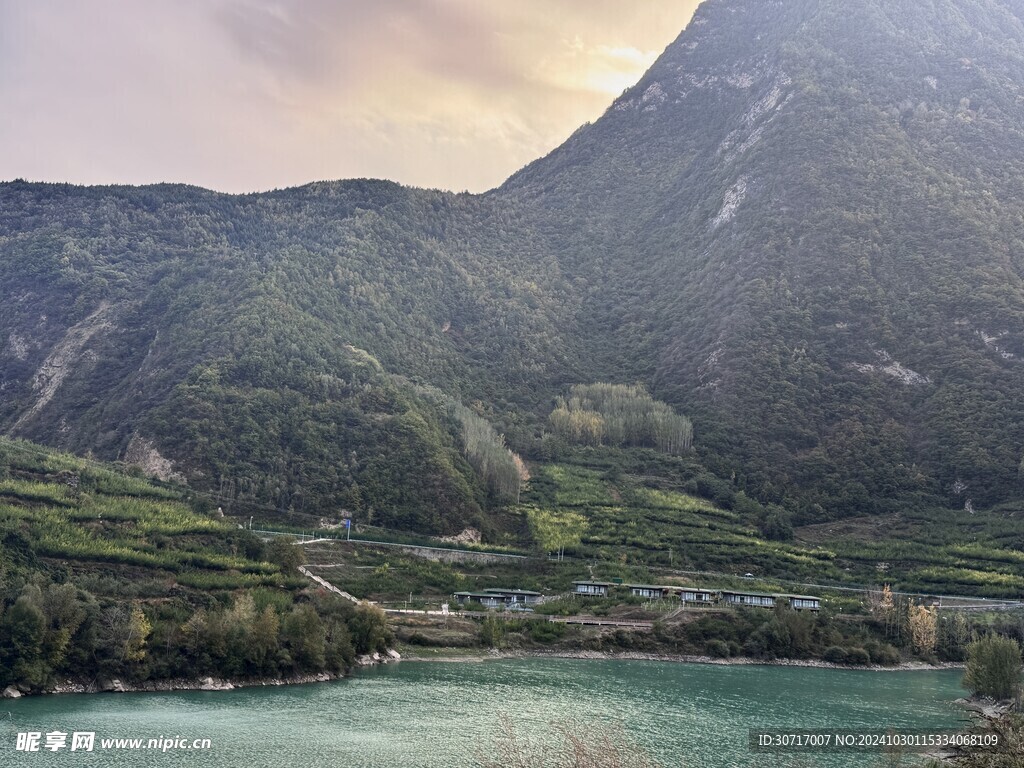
(972, 602)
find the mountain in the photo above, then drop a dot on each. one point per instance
(250, 343)
(802, 228)
(822, 257)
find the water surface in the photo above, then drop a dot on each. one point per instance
(442, 715)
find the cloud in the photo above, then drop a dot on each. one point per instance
(254, 94)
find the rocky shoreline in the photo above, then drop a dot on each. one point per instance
(907, 666)
(115, 685)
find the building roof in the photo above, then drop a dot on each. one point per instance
(596, 583)
(695, 589)
(512, 591)
(801, 597)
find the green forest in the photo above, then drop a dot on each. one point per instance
(766, 313)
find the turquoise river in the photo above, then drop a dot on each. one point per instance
(446, 715)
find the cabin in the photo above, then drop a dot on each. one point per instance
(697, 596)
(803, 602)
(516, 596)
(486, 599)
(592, 588)
(758, 599)
(498, 598)
(649, 591)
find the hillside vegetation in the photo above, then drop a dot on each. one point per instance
(798, 235)
(105, 575)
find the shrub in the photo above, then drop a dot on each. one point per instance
(546, 631)
(882, 653)
(560, 607)
(769, 640)
(857, 656)
(716, 489)
(835, 654)
(993, 667)
(718, 649)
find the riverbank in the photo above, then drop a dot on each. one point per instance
(208, 683)
(463, 655)
(455, 655)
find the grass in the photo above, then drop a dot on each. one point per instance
(644, 518)
(639, 517)
(390, 575)
(72, 514)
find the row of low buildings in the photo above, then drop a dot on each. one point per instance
(525, 598)
(699, 595)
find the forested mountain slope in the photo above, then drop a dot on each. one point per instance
(822, 257)
(251, 340)
(803, 228)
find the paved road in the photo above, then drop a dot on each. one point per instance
(311, 539)
(975, 603)
(594, 621)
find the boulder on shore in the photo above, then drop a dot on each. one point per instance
(11, 692)
(209, 684)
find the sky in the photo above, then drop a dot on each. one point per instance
(247, 95)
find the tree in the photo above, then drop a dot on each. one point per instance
(264, 639)
(240, 621)
(124, 632)
(21, 643)
(618, 414)
(492, 632)
(369, 628)
(138, 632)
(923, 624)
(554, 531)
(303, 632)
(954, 636)
(285, 552)
(64, 613)
(993, 667)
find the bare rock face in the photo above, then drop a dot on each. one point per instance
(17, 346)
(468, 536)
(63, 359)
(142, 453)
